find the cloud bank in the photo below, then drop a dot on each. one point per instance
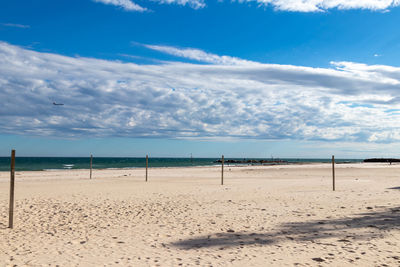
(348, 102)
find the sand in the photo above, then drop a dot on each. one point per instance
(262, 216)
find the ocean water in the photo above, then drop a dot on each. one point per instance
(59, 163)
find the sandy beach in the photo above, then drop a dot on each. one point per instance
(262, 216)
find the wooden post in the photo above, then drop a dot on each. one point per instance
(333, 172)
(91, 163)
(12, 182)
(147, 166)
(222, 170)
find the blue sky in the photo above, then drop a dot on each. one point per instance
(244, 30)
(170, 78)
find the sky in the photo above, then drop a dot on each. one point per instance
(248, 78)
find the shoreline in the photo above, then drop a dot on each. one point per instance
(207, 166)
(60, 163)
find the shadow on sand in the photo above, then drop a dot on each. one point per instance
(345, 229)
(397, 187)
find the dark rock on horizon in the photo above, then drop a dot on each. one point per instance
(382, 160)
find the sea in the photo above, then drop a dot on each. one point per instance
(66, 163)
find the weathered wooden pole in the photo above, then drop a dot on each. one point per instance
(147, 166)
(91, 164)
(333, 172)
(12, 183)
(222, 170)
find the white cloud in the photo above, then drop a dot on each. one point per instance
(14, 25)
(125, 4)
(131, 6)
(350, 102)
(323, 5)
(282, 5)
(199, 55)
(195, 4)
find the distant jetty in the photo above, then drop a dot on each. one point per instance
(252, 161)
(389, 160)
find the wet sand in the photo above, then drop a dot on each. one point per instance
(262, 216)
